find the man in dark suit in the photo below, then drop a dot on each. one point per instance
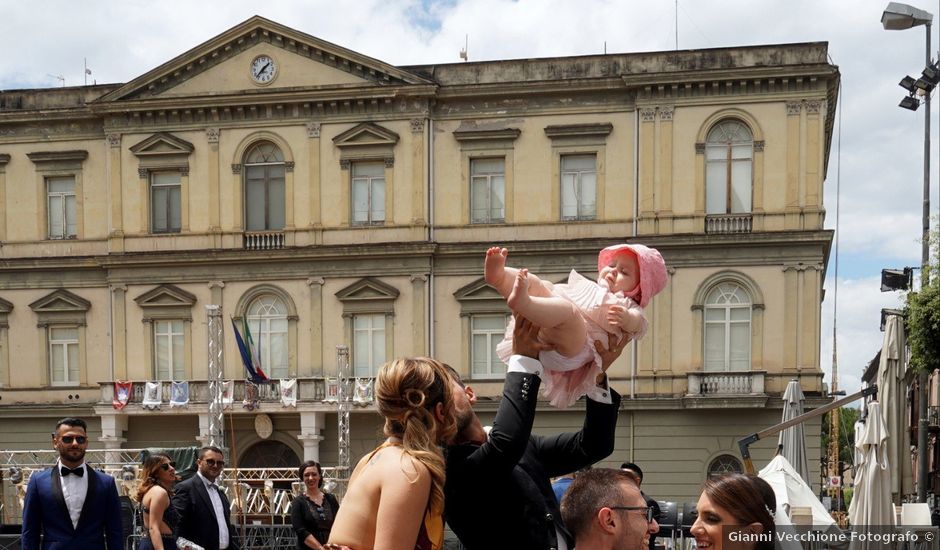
(203, 508)
(497, 493)
(71, 505)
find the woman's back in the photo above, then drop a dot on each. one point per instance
(387, 490)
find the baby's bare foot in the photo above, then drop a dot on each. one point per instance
(494, 265)
(519, 296)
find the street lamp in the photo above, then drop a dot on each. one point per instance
(899, 16)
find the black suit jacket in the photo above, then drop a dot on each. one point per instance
(498, 495)
(197, 517)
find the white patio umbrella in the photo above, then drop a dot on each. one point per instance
(871, 501)
(794, 445)
(792, 490)
(891, 395)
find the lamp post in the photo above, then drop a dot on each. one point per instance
(899, 16)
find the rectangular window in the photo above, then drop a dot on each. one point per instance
(168, 357)
(63, 355)
(368, 193)
(60, 205)
(727, 339)
(486, 331)
(368, 344)
(264, 197)
(578, 187)
(487, 190)
(165, 202)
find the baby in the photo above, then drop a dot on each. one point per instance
(575, 315)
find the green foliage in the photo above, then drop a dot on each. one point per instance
(848, 416)
(923, 321)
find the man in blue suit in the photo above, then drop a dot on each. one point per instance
(70, 505)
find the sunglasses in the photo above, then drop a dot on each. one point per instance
(214, 463)
(647, 510)
(167, 465)
(68, 439)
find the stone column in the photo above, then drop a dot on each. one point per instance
(418, 326)
(115, 195)
(311, 424)
(119, 331)
(316, 327)
(418, 139)
(113, 427)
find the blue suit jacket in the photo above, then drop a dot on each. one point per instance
(45, 513)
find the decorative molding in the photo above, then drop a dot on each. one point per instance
(289, 166)
(4, 159)
(162, 144)
(184, 171)
(142, 172)
(417, 125)
(64, 158)
(758, 145)
(794, 108)
(647, 114)
(316, 281)
(114, 140)
(389, 162)
(236, 168)
(700, 148)
(313, 129)
(212, 135)
(671, 270)
(813, 106)
(216, 284)
(666, 111)
(118, 288)
(579, 130)
(418, 277)
(366, 134)
(464, 134)
(344, 164)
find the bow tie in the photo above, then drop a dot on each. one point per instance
(77, 471)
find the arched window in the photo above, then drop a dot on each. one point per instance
(727, 328)
(723, 465)
(729, 153)
(269, 454)
(264, 187)
(267, 321)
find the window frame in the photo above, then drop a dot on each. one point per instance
(730, 162)
(727, 323)
(267, 181)
(732, 465)
(578, 187)
(371, 332)
(174, 372)
(371, 201)
(753, 291)
(494, 337)
(152, 174)
(262, 334)
(65, 234)
(487, 177)
(67, 343)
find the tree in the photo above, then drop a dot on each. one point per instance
(922, 320)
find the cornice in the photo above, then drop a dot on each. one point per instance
(530, 88)
(740, 74)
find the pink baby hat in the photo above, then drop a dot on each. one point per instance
(653, 275)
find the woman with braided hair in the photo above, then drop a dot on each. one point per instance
(395, 498)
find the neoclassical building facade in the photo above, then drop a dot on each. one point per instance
(325, 198)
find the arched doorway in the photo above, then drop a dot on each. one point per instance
(269, 454)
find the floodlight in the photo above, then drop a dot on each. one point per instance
(910, 103)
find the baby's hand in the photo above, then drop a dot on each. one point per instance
(628, 319)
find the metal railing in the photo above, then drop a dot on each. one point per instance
(728, 223)
(726, 383)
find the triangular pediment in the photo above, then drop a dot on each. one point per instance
(367, 289)
(221, 66)
(365, 134)
(166, 296)
(477, 290)
(162, 144)
(5, 306)
(60, 301)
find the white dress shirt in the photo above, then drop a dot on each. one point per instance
(74, 489)
(213, 491)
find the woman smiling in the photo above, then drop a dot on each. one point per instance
(735, 512)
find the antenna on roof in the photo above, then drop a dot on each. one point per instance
(60, 78)
(87, 71)
(463, 52)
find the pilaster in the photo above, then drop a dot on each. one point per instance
(317, 360)
(115, 195)
(119, 331)
(4, 159)
(419, 303)
(315, 175)
(794, 160)
(311, 425)
(215, 197)
(418, 139)
(647, 170)
(812, 202)
(664, 183)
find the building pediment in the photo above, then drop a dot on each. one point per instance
(5, 306)
(162, 144)
(60, 301)
(221, 66)
(366, 134)
(477, 290)
(166, 296)
(368, 289)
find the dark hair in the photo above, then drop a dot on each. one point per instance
(590, 491)
(634, 467)
(74, 422)
(308, 464)
(748, 498)
(207, 448)
(454, 374)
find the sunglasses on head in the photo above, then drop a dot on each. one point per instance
(68, 439)
(214, 463)
(167, 465)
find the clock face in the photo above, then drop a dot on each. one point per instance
(263, 69)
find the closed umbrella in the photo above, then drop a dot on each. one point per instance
(891, 395)
(871, 501)
(791, 439)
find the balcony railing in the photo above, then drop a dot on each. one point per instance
(726, 383)
(309, 390)
(263, 240)
(728, 223)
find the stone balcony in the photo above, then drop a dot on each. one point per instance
(727, 223)
(731, 389)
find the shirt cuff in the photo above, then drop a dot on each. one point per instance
(521, 363)
(600, 394)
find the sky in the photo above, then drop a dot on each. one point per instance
(876, 161)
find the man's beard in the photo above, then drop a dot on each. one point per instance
(72, 455)
(464, 420)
